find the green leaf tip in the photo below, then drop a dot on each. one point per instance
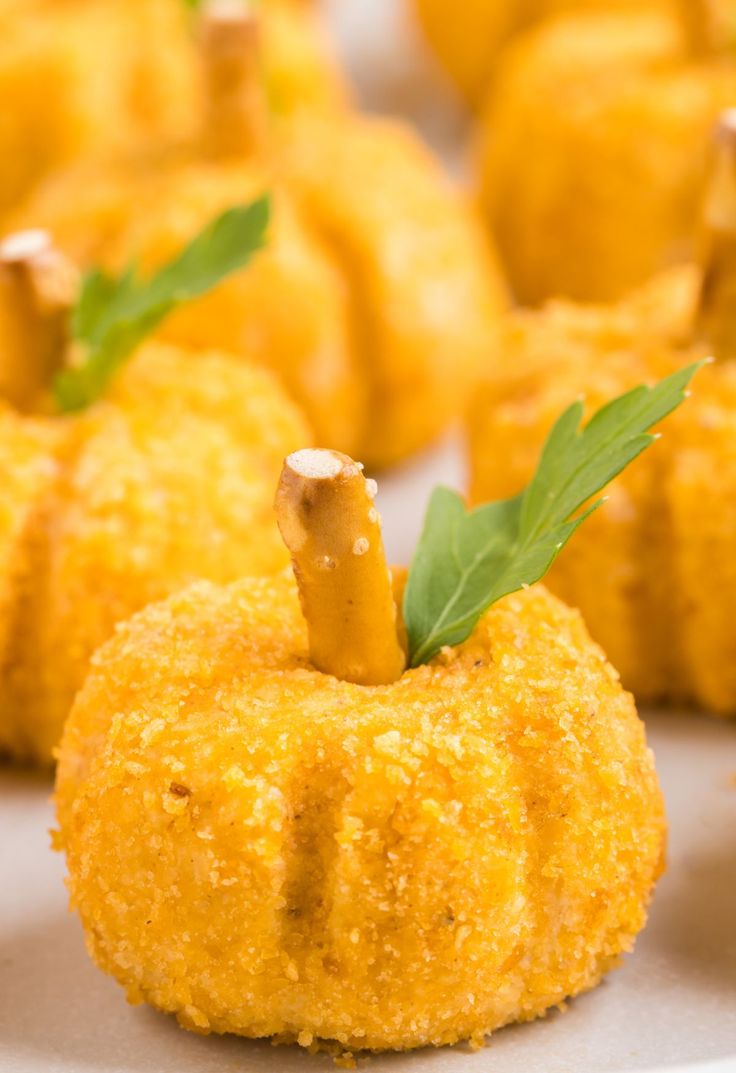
(113, 315)
(199, 5)
(466, 560)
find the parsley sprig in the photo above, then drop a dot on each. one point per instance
(115, 313)
(466, 560)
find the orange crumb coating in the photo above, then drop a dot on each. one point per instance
(266, 850)
(376, 303)
(87, 77)
(168, 479)
(652, 571)
(593, 150)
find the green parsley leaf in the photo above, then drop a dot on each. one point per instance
(114, 314)
(467, 560)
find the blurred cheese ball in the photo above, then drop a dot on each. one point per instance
(593, 148)
(379, 299)
(652, 571)
(87, 77)
(167, 479)
(468, 39)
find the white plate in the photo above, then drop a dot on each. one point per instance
(671, 1005)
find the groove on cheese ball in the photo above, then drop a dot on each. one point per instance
(266, 850)
(653, 571)
(167, 479)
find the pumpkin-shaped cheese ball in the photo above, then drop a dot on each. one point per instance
(166, 479)
(306, 843)
(467, 39)
(593, 150)
(378, 298)
(653, 573)
(85, 77)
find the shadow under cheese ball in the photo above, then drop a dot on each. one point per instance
(592, 150)
(88, 77)
(653, 572)
(166, 478)
(378, 298)
(308, 841)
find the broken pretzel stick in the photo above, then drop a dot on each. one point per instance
(38, 287)
(716, 318)
(325, 511)
(235, 106)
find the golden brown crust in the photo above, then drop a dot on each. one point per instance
(382, 866)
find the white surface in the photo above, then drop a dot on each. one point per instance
(672, 1004)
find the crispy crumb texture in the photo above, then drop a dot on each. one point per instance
(379, 867)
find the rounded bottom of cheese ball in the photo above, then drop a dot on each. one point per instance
(262, 849)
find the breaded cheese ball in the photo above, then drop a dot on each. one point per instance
(592, 152)
(468, 38)
(81, 76)
(378, 299)
(393, 294)
(167, 479)
(653, 571)
(89, 77)
(263, 849)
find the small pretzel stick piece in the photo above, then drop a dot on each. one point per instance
(325, 511)
(716, 314)
(235, 106)
(697, 17)
(38, 287)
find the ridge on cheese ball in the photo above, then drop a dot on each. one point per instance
(386, 867)
(164, 479)
(89, 77)
(308, 842)
(392, 292)
(595, 139)
(663, 542)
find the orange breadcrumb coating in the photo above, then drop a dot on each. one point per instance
(376, 303)
(168, 479)
(263, 849)
(593, 152)
(653, 571)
